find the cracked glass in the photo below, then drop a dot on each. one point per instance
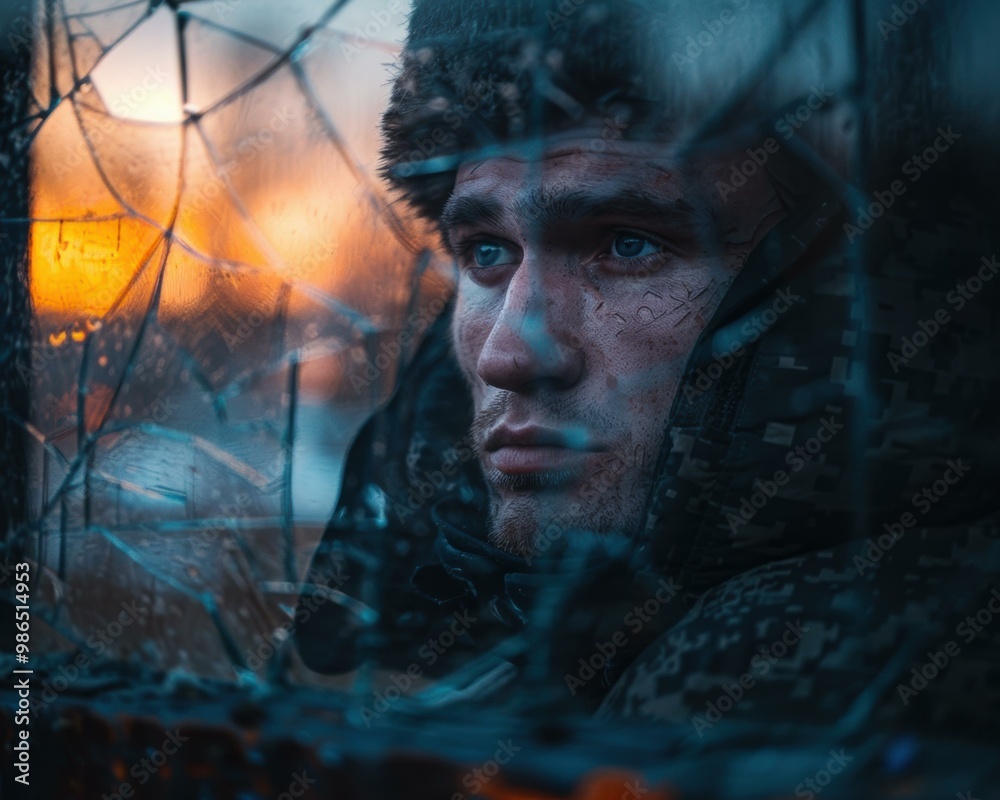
(212, 260)
(220, 285)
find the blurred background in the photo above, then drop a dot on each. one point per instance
(205, 289)
(217, 283)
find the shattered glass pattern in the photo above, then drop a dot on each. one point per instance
(218, 282)
(213, 267)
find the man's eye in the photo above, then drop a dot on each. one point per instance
(491, 254)
(632, 245)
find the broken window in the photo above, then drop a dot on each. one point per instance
(211, 294)
(214, 266)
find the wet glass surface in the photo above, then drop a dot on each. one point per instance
(223, 290)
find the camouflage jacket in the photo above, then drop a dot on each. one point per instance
(820, 543)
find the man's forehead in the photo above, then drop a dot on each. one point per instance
(515, 182)
(560, 156)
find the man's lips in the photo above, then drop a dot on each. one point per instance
(520, 460)
(532, 450)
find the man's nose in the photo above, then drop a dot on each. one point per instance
(535, 340)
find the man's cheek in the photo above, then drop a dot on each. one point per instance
(655, 319)
(643, 363)
(469, 333)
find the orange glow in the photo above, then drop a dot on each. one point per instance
(599, 785)
(80, 268)
(258, 188)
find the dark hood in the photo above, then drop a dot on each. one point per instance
(790, 383)
(830, 367)
(811, 416)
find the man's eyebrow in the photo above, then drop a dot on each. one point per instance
(549, 209)
(469, 210)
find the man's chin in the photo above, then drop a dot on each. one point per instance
(514, 523)
(530, 524)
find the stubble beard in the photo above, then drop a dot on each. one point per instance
(529, 523)
(534, 510)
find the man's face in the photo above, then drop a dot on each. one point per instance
(585, 280)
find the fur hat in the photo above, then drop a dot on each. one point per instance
(475, 73)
